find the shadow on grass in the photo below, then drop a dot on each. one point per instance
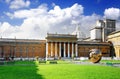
(19, 72)
(38, 70)
(39, 75)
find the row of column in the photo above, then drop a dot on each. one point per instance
(64, 48)
(11, 52)
(4, 51)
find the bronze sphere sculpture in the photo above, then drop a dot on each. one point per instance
(95, 55)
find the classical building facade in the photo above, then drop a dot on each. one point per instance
(61, 45)
(65, 45)
(114, 38)
(84, 48)
(55, 46)
(102, 29)
(22, 48)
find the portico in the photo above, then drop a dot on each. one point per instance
(61, 45)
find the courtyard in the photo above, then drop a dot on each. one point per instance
(61, 70)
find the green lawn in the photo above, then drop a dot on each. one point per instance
(20, 70)
(112, 61)
(62, 70)
(77, 71)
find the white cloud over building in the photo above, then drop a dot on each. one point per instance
(112, 13)
(38, 21)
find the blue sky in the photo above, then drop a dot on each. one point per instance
(16, 16)
(97, 6)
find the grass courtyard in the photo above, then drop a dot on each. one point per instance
(62, 70)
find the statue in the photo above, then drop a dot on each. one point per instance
(95, 55)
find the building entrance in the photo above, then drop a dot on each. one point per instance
(62, 52)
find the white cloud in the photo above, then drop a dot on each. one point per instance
(6, 29)
(7, 1)
(16, 4)
(37, 22)
(9, 14)
(112, 13)
(41, 10)
(75, 10)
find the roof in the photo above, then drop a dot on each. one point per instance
(92, 43)
(110, 20)
(61, 35)
(96, 28)
(118, 31)
(9, 40)
(61, 38)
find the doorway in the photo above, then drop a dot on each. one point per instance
(62, 52)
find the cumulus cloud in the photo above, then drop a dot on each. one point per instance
(112, 13)
(38, 21)
(7, 1)
(6, 29)
(41, 10)
(17, 4)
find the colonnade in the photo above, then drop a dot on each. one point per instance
(61, 49)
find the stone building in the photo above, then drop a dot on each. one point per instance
(114, 38)
(67, 46)
(61, 45)
(102, 29)
(84, 48)
(103, 37)
(22, 48)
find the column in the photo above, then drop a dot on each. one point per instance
(56, 49)
(64, 50)
(3, 51)
(15, 51)
(76, 46)
(119, 53)
(51, 49)
(59, 49)
(72, 49)
(0, 52)
(33, 52)
(68, 50)
(46, 50)
(26, 52)
(10, 51)
(21, 51)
